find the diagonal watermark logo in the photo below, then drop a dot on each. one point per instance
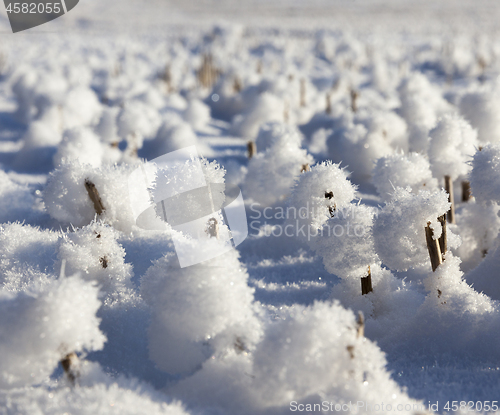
(27, 14)
(209, 218)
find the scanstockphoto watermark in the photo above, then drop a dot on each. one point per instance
(295, 222)
(27, 14)
(357, 407)
(206, 219)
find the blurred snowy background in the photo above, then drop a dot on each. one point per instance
(152, 16)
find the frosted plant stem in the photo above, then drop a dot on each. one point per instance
(237, 87)
(94, 196)
(208, 74)
(466, 193)
(366, 283)
(331, 210)
(258, 68)
(252, 149)
(328, 109)
(443, 240)
(448, 185)
(70, 364)
(354, 98)
(361, 324)
(166, 77)
(302, 92)
(213, 228)
(433, 247)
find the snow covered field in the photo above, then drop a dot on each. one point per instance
(346, 124)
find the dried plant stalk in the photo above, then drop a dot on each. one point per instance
(166, 76)
(237, 87)
(361, 324)
(366, 283)
(331, 209)
(252, 149)
(302, 92)
(208, 74)
(443, 239)
(448, 185)
(104, 261)
(350, 349)
(328, 109)
(213, 228)
(354, 100)
(239, 346)
(259, 67)
(433, 248)
(94, 197)
(466, 193)
(70, 364)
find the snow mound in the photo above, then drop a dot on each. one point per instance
(38, 330)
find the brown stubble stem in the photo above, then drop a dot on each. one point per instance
(448, 185)
(94, 197)
(434, 248)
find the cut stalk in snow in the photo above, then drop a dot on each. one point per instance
(239, 345)
(251, 148)
(166, 77)
(94, 197)
(208, 74)
(258, 69)
(302, 92)
(443, 239)
(213, 228)
(466, 193)
(361, 324)
(366, 283)
(328, 109)
(350, 349)
(69, 364)
(331, 210)
(354, 99)
(237, 87)
(104, 261)
(448, 185)
(433, 247)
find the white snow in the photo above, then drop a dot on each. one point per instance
(357, 110)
